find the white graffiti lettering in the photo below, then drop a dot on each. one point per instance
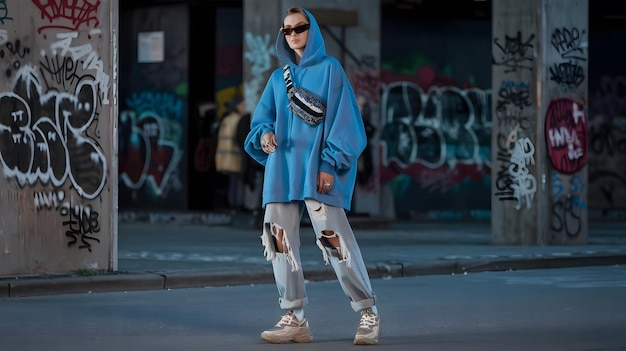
(45, 139)
(90, 59)
(446, 126)
(524, 183)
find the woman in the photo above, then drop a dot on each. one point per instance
(310, 166)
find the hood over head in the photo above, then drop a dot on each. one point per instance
(314, 50)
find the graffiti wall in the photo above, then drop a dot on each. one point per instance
(57, 119)
(436, 117)
(153, 109)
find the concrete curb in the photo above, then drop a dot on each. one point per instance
(178, 280)
(477, 266)
(541, 263)
(203, 280)
(77, 285)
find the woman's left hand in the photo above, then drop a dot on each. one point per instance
(325, 182)
(268, 142)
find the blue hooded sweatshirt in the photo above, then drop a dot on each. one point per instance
(333, 146)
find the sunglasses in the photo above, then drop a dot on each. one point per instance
(298, 29)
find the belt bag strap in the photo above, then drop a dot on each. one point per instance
(302, 103)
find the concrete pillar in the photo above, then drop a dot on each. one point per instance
(539, 140)
(58, 136)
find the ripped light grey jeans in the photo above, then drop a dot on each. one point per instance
(347, 262)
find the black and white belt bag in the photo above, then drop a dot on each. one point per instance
(302, 103)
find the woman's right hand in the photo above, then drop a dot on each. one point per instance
(268, 142)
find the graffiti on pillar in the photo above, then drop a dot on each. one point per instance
(515, 113)
(504, 181)
(82, 56)
(68, 15)
(568, 207)
(4, 38)
(569, 44)
(81, 224)
(4, 14)
(566, 135)
(524, 184)
(50, 122)
(514, 181)
(514, 109)
(14, 53)
(515, 53)
(514, 95)
(150, 142)
(45, 138)
(259, 52)
(515, 150)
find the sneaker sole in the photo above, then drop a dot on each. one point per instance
(363, 341)
(300, 338)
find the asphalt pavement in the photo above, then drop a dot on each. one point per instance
(170, 252)
(566, 309)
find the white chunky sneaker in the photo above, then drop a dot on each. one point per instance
(369, 328)
(288, 329)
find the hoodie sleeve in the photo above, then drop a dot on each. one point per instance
(263, 121)
(346, 138)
